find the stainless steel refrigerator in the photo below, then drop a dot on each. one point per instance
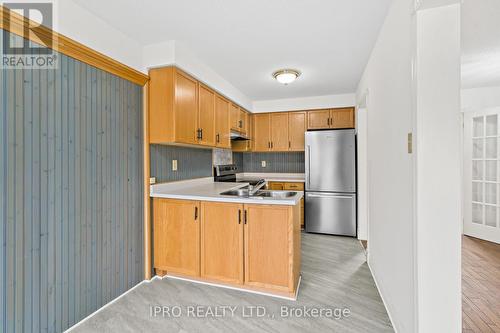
(330, 195)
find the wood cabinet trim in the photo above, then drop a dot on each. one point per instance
(15, 23)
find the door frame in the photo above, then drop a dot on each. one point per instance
(363, 105)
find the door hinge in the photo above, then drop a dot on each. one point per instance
(410, 143)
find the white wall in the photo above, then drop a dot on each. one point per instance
(438, 169)
(304, 103)
(480, 98)
(388, 79)
(79, 24)
(158, 55)
(175, 53)
(413, 78)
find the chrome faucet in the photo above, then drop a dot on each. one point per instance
(256, 187)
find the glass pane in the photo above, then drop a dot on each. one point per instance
(477, 148)
(477, 213)
(490, 173)
(490, 193)
(477, 127)
(491, 125)
(477, 170)
(477, 191)
(491, 148)
(490, 216)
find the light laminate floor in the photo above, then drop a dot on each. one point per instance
(334, 275)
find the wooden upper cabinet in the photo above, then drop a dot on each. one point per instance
(279, 131)
(173, 106)
(342, 118)
(186, 108)
(222, 241)
(262, 132)
(235, 117)
(177, 236)
(245, 145)
(296, 130)
(318, 119)
(222, 125)
(243, 122)
(267, 250)
(331, 118)
(206, 116)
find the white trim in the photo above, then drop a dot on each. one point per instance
(382, 297)
(107, 304)
(236, 288)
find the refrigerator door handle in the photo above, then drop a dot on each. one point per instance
(308, 166)
(329, 196)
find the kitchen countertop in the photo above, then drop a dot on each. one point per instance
(274, 177)
(205, 189)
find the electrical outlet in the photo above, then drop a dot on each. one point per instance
(152, 180)
(263, 164)
(174, 165)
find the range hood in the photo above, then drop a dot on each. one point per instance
(237, 136)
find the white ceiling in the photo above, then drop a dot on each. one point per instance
(480, 43)
(245, 41)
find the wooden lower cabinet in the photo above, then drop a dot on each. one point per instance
(250, 246)
(177, 236)
(222, 241)
(268, 256)
(275, 186)
(291, 186)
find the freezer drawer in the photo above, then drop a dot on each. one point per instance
(330, 213)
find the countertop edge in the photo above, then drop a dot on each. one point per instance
(229, 199)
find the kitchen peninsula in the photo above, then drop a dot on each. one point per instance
(205, 232)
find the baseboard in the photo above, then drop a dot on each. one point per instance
(107, 304)
(173, 277)
(382, 297)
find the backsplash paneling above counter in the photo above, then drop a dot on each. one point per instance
(197, 162)
(191, 163)
(283, 162)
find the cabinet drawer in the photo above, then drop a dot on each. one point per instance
(294, 186)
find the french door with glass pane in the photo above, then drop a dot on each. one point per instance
(482, 174)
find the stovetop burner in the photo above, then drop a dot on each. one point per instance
(227, 173)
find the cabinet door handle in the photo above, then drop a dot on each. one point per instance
(271, 145)
(328, 121)
(289, 144)
(239, 216)
(217, 138)
(196, 213)
(245, 217)
(268, 144)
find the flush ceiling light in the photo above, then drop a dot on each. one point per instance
(286, 76)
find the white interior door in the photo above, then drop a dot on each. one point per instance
(482, 174)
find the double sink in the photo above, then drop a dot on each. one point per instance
(244, 192)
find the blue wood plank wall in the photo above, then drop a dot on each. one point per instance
(282, 162)
(191, 162)
(70, 194)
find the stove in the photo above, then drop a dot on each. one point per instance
(227, 173)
